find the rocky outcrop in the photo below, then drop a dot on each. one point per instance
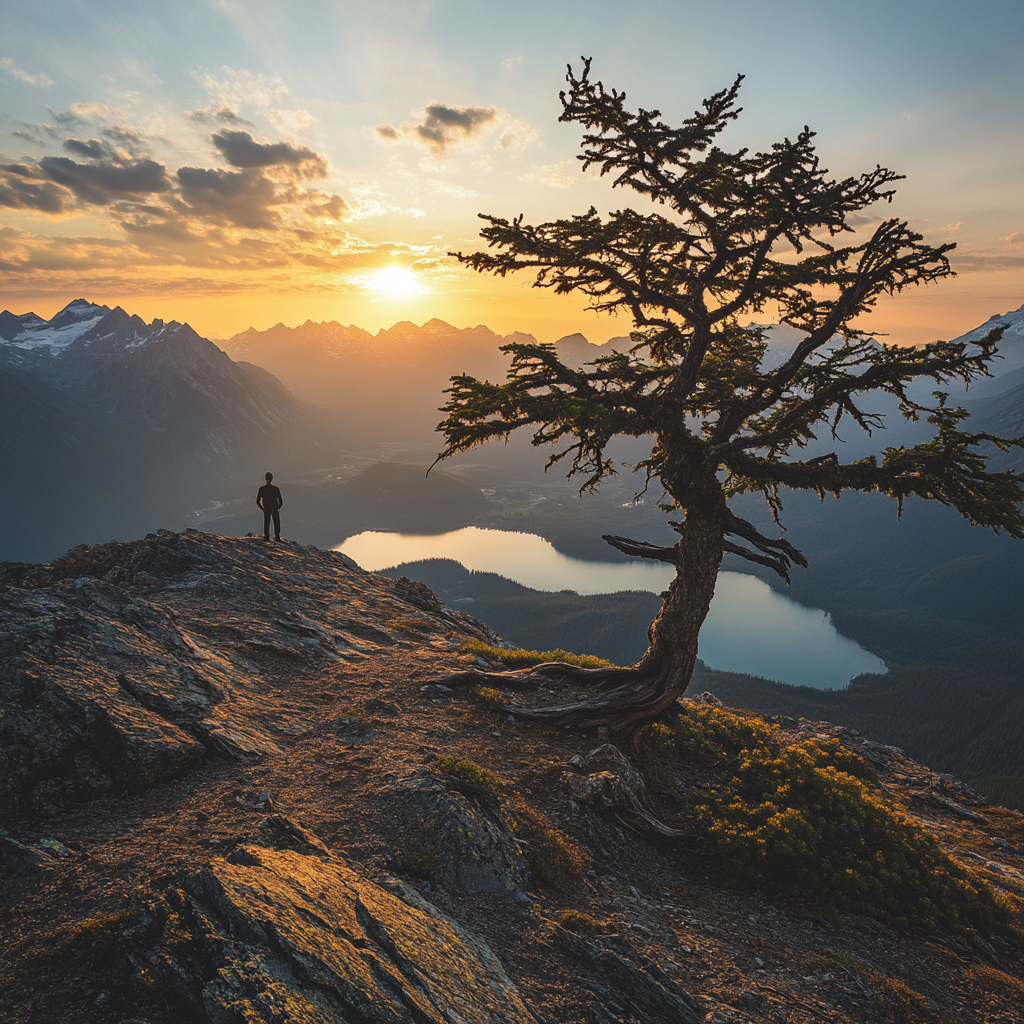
(273, 933)
(459, 834)
(124, 664)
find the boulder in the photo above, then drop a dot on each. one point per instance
(275, 934)
(459, 827)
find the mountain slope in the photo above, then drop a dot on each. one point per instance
(112, 424)
(232, 788)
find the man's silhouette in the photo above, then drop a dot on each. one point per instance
(268, 498)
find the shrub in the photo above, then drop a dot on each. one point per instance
(517, 657)
(553, 857)
(464, 768)
(578, 921)
(805, 816)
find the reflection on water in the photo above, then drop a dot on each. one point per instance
(750, 627)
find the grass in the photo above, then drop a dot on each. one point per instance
(554, 858)
(464, 768)
(517, 657)
(579, 921)
(807, 816)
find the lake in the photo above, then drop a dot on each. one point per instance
(750, 627)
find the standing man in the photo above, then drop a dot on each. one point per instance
(269, 499)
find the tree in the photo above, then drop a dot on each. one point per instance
(730, 234)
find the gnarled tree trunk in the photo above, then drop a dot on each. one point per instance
(625, 698)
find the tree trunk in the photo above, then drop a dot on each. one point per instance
(626, 698)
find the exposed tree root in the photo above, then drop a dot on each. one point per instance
(625, 698)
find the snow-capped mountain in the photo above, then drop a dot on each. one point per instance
(114, 424)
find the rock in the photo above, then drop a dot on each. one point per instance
(276, 934)
(605, 779)
(629, 978)
(460, 826)
(18, 859)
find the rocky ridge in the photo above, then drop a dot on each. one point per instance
(233, 790)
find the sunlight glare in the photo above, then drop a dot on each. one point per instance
(396, 283)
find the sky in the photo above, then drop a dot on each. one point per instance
(237, 163)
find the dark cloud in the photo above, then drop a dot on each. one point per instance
(99, 183)
(443, 126)
(94, 149)
(329, 208)
(240, 149)
(20, 190)
(244, 199)
(21, 133)
(223, 116)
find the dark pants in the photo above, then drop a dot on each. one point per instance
(267, 516)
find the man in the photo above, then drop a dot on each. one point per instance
(269, 499)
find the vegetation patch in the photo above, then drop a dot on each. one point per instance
(806, 816)
(579, 921)
(464, 768)
(414, 625)
(553, 857)
(517, 657)
(898, 1000)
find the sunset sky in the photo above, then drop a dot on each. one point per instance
(243, 163)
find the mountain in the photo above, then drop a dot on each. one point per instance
(239, 782)
(377, 387)
(389, 385)
(110, 423)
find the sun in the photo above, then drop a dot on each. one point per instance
(396, 283)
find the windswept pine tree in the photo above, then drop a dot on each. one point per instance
(726, 235)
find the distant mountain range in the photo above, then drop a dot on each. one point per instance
(112, 426)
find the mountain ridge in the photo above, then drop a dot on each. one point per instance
(232, 779)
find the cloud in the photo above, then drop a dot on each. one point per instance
(39, 81)
(373, 201)
(511, 63)
(21, 190)
(564, 174)
(22, 133)
(326, 207)
(100, 182)
(238, 87)
(244, 199)
(240, 149)
(83, 113)
(449, 188)
(966, 263)
(442, 126)
(952, 227)
(516, 135)
(291, 122)
(219, 116)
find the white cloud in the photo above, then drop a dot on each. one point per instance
(449, 188)
(516, 135)
(511, 63)
(292, 122)
(238, 87)
(564, 174)
(373, 201)
(12, 69)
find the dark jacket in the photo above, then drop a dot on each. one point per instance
(269, 498)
